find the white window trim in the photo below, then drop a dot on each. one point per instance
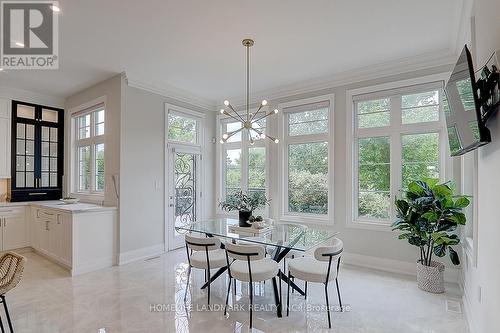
(470, 243)
(91, 196)
(221, 166)
(386, 90)
(285, 140)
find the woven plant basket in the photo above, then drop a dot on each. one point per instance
(431, 278)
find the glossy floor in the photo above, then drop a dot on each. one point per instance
(147, 296)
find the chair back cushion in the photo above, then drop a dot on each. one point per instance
(200, 243)
(323, 253)
(11, 271)
(244, 251)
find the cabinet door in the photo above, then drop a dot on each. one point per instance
(43, 236)
(54, 239)
(14, 232)
(65, 236)
(5, 148)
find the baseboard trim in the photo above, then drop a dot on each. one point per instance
(392, 266)
(140, 254)
(93, 266)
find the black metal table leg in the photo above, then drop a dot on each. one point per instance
(214, 277)
(292, 284)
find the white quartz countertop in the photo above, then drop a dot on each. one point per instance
(60, 206)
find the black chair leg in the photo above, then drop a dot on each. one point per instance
(227, 296)
(251, 302)
(1, 325)
(277, 298)
(338, 294)
(327, 306)
(187, 284)
(305, 290)
(288, 295)
(234, 289)
(208, 274)
(7, 314)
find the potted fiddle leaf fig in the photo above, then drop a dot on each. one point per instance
(245, 204)
(428, 216)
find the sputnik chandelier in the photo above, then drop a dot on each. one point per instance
(250, 121)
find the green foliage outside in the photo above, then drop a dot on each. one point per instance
(181, 129)
(428, 216)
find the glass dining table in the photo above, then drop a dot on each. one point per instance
(278, 238)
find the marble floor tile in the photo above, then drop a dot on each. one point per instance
(147, 296)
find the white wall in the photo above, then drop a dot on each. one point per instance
(482, 283)
(143, 163)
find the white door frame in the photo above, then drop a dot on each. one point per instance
(170, 148)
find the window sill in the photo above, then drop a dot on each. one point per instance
(307, 219)
(373, 225)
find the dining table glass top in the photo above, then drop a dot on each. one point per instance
(286, 235)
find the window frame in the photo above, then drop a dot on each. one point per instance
(395, 131)
(93, 140)
(286, 140)
(244, 145)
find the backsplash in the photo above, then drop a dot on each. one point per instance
(3, 189)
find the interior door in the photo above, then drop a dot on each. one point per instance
(184, 192)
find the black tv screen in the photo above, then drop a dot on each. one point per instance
(466, 131)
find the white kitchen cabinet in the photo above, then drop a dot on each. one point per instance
(5, 140)
(80, 240)
(13, 228)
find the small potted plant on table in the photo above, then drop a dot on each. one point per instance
(245, 204)
(428, 216)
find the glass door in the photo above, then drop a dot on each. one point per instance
(184, 193)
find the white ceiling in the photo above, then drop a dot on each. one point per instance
(195, 46)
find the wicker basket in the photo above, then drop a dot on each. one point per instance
(431, 278)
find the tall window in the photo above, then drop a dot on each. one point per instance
(244, 166)
(398, 138)
(89, 127)
(306, 139)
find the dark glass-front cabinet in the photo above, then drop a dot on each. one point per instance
(37, 152)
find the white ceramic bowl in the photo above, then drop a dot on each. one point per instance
(70, 200)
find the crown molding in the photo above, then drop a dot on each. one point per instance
(31, 97)
(170, 91)
(405, 65)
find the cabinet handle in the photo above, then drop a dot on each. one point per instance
(37, 193)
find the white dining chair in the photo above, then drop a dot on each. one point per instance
(322, 268)
(250, 265)
(204, 253)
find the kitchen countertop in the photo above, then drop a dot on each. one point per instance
(60, 206)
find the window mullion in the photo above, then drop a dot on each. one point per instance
(396, 151)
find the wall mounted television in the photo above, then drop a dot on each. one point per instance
(466, 129)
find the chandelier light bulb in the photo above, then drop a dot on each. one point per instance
(276, 111)
(264, 102)
(251, 142)
(225, 136)
(262, 136)
(222, 111)
(276, 140)
(221, 141)
(226, 102)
